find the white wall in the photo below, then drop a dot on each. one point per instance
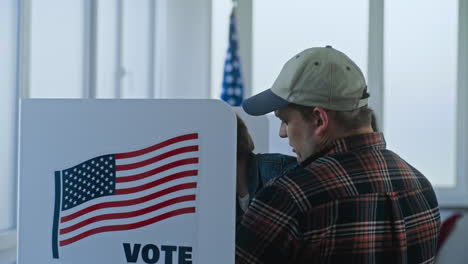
(56, 49)
(8, 106)
(280, 29)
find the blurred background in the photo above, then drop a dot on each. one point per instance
(414, 55)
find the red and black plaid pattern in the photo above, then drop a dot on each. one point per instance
(355, 202)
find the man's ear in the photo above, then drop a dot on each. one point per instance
(321, 121)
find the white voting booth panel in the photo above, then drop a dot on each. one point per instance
(264, 130)
(126, 181)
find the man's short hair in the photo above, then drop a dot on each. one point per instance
(374, 123)
(245, 143)
(347, 120)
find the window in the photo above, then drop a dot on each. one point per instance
(284, 28)
(8, 106)
(64, 37)
(425, 94)
(86, 48)
(107, 48)
(56, 49)
(152, 49)
(414, 57)
(125, 49)
(421, 85)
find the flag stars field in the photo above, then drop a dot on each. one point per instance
(126, 191)
(76, 180)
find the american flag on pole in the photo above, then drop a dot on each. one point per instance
(125, 191)
(233, 89)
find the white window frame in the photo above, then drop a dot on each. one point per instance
(456, 197)
(8, 239)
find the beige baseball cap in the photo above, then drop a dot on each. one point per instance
(321, 77)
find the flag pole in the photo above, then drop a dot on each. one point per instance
(58, 187)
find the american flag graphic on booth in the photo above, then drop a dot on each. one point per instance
(125, 191)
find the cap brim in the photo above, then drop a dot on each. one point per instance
(263, 103)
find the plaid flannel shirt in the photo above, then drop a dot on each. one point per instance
(354, 202)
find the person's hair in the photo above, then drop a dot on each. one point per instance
(374, 125)
(245, 143)
(347, 120)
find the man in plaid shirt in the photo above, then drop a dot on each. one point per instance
(350, 200)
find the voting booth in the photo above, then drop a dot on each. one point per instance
(126, 181)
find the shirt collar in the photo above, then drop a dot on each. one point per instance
(369, 141)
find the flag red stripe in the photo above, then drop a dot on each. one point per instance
(155, 147)
(154, 171)
(168, 154)
(150, 221)
(127, 214)
(157, 182)
(143, 199)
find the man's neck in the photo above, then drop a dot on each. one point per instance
(332, 137)
(338, 134)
